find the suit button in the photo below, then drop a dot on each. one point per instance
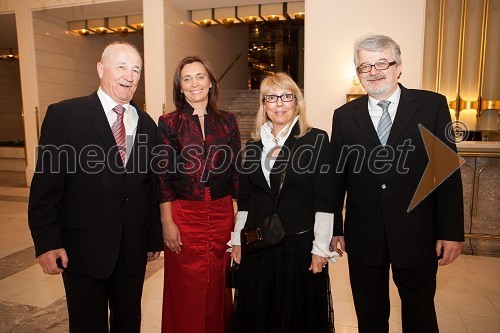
(384, 186)
(125, 199)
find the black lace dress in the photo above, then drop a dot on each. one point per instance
(277, 293)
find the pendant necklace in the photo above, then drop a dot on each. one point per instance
(274, 152)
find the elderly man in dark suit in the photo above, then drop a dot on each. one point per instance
(379, 159)
(93, 212)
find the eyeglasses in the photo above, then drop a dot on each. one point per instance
(380, 66)
(274, 98)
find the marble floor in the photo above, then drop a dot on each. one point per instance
(467, 297)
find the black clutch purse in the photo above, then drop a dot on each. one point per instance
(266, 233)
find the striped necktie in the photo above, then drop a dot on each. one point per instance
(118, 130)
(385, 123)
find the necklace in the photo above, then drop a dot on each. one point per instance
(274, 151)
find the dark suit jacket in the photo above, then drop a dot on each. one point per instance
(378, 200)
(83, 200)
(305, 190)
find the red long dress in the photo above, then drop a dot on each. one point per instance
(195, 297)
(200, 187)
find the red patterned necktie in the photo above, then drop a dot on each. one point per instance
(119, 132)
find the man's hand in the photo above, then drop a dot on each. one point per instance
(48, 261)
(450, 250)
(153, 255)
(337, 244)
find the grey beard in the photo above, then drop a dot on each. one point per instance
(378, 91)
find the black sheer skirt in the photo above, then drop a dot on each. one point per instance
(277, 293)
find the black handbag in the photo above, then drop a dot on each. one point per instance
(267, 232)
(232, 274)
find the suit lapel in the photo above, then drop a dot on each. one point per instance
(260, 179)
(406, 109)
(98, 119)
(362, 118)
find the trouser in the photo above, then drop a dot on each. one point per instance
(88, 299)
(416, 287)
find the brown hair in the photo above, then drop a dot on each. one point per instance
(213, 93)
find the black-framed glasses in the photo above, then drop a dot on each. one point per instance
(380, 66)
(274, 98)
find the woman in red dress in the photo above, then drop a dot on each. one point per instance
(198, 182)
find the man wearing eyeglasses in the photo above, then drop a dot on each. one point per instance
(379, 159)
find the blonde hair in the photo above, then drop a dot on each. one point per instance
(285, 82)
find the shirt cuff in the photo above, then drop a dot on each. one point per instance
(239, 223)
(323, 233)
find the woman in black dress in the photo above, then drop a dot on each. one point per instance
(285, 288)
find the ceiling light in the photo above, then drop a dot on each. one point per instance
(203, 17)
(226, 16)
(79, 27)
(295, 10)
(99, 26)
(136, 22)
(249, 14)
(119, 24)
(273, 12)
(103, 26)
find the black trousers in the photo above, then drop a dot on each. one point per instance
(88, 300)
(416, 287)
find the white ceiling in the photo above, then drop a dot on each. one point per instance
(110, 9)
(202, 4)
(131, 7)
(8, 36)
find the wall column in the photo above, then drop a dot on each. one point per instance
(29, 87)
(154, 57)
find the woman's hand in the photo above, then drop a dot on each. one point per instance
(236, 254)
(317, 264)
(172, 237)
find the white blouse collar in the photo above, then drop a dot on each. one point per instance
(269, 140)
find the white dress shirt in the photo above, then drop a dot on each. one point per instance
(130, 118)
(375, 111)
(269, 142)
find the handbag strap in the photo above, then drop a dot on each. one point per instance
(283, 174)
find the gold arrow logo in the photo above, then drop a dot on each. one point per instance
(443, 161)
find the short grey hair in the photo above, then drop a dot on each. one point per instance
(377, 43)
(109, 48)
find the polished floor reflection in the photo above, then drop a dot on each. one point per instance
(467, 299)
